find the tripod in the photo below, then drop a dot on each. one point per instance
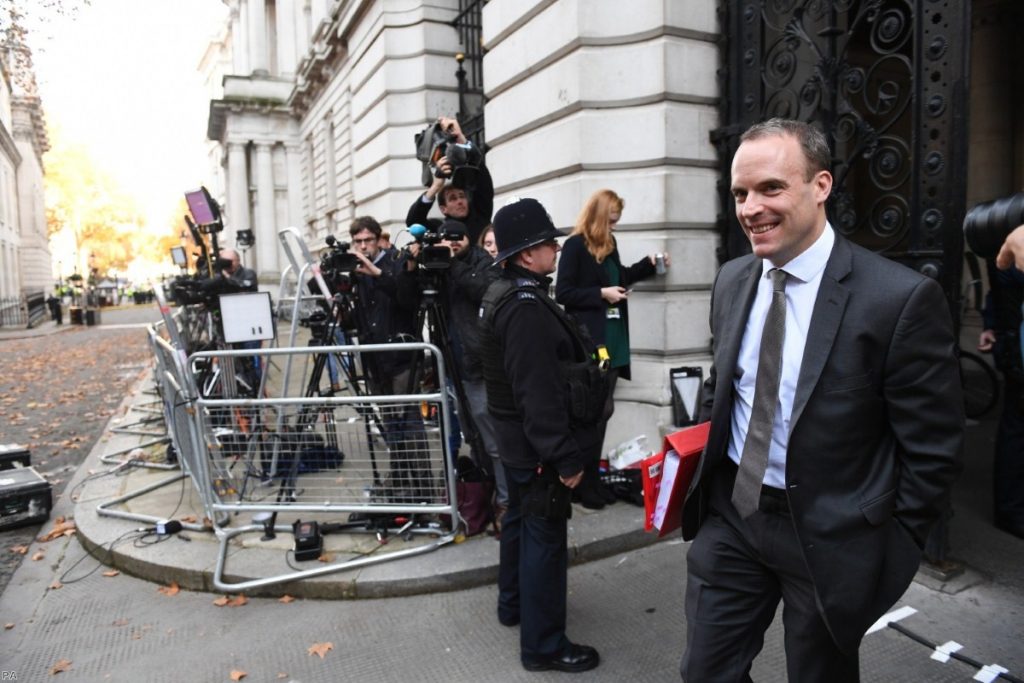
(433, 315)
(325, 329)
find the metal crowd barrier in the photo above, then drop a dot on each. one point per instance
(174, 401)
(383, 458)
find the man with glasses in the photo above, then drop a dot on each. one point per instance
(471, 206)
(386, 303)
(526, 343)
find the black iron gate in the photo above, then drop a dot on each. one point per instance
(886, 80)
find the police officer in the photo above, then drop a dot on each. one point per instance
(526, 342)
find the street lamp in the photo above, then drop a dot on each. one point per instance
(460, 76)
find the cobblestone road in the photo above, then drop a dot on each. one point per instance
(57, 392)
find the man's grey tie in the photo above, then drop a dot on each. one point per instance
(746, 492)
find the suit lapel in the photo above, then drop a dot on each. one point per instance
(736, 301)
(825, 320)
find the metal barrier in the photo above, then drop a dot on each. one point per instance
(176, 399)
(376, 454)
(383, 458)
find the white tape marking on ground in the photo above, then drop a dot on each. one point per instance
(943, 651)
(892, 616)
(989, 672)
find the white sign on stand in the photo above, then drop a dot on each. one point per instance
(247, 317)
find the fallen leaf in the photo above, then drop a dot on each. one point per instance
(60, 528)
(238, 601)
(19, 549)
(38, 556)
(173, 589)
(8, 626)
(238, 675)
(60, 666)
(112, 572)
(320, 649)
(55, 585)
(120, 622)
(221, 601)
(286, 599)
(327, 558)
(281, 674)
(191, 519)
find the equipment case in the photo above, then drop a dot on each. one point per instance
(25, 498)
(12, 455)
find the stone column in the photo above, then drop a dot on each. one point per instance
(266, 231)
(258, 37)
(287, 55)
(238, 188)
(239, 38)
(294, 161)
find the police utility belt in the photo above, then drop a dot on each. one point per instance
(586, 379)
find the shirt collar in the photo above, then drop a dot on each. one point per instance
(809, 264)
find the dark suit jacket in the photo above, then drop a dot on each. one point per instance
(876, 429)
(579, 283)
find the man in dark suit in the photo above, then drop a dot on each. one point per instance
(822, 476)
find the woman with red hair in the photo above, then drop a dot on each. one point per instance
(594, 287)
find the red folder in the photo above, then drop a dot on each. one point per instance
(667, 476)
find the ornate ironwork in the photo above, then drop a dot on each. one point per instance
(470, 74)
(886, 81)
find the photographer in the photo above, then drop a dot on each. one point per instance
(386, 302)
(469, 275)
(1002, 338)
(995, 232)
(469, 205)
(233, 270)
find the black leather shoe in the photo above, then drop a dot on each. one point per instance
(508, 620)
(575, 659)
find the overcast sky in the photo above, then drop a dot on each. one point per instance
(120, 77)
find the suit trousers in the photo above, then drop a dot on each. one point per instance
(532, 573)
(737, 571)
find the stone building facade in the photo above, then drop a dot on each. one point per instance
(316, 115)
(24, 249)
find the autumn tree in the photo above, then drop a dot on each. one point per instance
(86, 203)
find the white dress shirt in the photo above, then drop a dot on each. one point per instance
(804, 278)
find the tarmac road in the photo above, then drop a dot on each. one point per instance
(57, 391)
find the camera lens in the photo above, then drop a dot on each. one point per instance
(988, 224)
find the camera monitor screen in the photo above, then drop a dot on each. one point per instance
(201, 206)
(179, 257)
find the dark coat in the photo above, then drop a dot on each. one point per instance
(469, 276)
(579, 283)
(532, 343)
(876, 429)
(386, 310)
(481, 206)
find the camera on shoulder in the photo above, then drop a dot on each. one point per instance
(435, 142)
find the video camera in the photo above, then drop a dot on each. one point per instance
(337, 262)
(434, 255)
(188, 290)
(434, 142)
